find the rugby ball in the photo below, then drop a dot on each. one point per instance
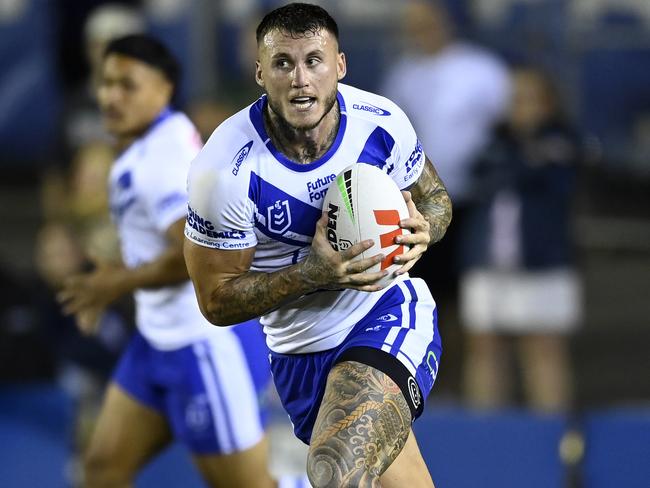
(363, 203)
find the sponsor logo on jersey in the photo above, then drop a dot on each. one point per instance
(389, 317)
(318, 188)
(240, 157)
(197, 413)
(368, 107)
(278, 216)
(376, 328)
(415, 159)
(205, 227)
(414, 392)
(431, 361)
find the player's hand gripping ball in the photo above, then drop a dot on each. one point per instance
(362, 203)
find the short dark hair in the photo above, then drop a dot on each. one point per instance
(297, 19)
(149, 50)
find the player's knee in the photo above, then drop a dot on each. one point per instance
(328, 467)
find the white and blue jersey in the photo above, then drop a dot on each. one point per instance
(244, 193)
(200, 377)
(148, 193)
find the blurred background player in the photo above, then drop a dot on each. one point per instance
(520, 279)
(75, 236)
(179, 377)
(106, 22)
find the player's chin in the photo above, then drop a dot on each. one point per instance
(304, 120)
(116, 127)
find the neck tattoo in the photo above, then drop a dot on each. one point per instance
(295, 143)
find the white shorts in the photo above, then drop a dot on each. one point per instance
(521, 302)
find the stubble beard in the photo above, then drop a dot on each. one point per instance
(291, 132)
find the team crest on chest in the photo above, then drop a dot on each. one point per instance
(279, 216)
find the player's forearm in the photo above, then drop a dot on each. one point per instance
(253, 294)
(167, 270)
(437, 211)
(433, 202)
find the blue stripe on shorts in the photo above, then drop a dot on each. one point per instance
(402, 323)
(210, 391)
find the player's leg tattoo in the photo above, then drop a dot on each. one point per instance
(362, 425)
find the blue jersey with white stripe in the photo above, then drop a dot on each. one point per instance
(244, 193)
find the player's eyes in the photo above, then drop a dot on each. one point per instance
(282, 63)
(313, 61)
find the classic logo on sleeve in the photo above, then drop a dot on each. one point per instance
(205, 227)
(368, 107)
(240, 157)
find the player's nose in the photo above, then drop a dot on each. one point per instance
(300, 78)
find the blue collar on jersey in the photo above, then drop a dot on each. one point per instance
(163, 115)
(257, 118)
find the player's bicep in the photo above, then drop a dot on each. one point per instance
(427, 184)
(210, 269)
(432, 201)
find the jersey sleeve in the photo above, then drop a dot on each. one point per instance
(165, 192)
(407, 158)
(220, 213)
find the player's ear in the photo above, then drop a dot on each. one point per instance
(259, 78)
(341, 66)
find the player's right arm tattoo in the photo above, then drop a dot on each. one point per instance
(363, 424)
(253, 294)
(432, 201)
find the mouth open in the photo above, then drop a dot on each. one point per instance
(303, 103)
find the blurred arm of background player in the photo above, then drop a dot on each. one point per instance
(87, 295)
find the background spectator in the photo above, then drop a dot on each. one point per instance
(454, 92)
(519, 274)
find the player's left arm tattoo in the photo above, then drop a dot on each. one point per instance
(363, 424)
(432, 201)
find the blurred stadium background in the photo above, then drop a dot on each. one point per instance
(598, 50)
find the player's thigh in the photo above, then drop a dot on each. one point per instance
(127, 433)
(409, 469)
(362, 425)
(243, 469)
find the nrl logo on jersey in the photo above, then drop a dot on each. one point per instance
(239, 158)
(279, 216)
(368, 107)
